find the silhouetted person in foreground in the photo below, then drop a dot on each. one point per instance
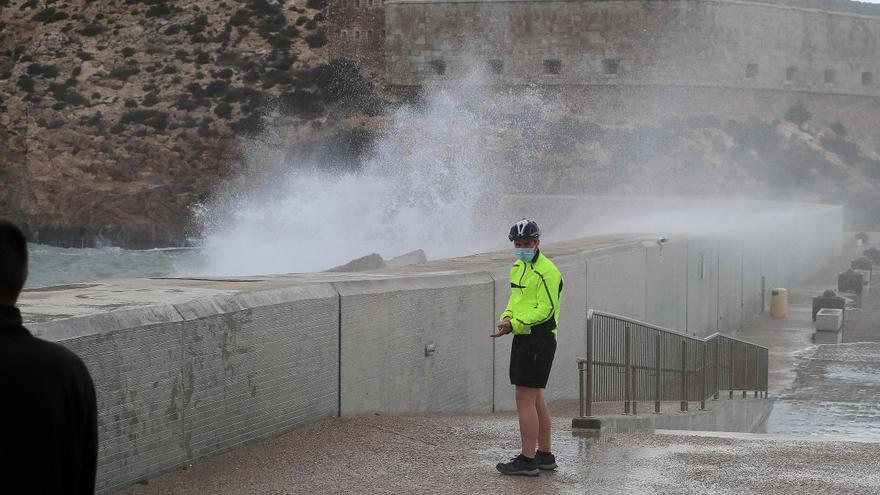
(48, 414)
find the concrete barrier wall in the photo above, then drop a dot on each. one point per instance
(177, 382)
(206, 376)
(616, 280)
(665, 283)
(385, 328)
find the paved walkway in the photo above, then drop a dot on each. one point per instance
(455, 454)
(452, 454)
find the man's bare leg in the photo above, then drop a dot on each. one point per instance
(526, 399)
(543, 422)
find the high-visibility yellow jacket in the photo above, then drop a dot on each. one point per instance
(535, 296)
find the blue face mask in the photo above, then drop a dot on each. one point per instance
(524, 254)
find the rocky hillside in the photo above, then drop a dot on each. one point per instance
(117, 116)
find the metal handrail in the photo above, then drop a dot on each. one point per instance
(628, 360)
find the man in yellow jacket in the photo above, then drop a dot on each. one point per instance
(532, 316)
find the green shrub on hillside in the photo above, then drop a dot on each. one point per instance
(798, 114)
(152, 118)
(124, 72)
(252, 124)
(91, 29)
(316, 4)
(49, 15)
(197, 25)
(47, 71)
(159, 10)
(223, 73)
(63, 93)
(262, 7)
(239, 18)
(302, 103)
(216, 88)
(26, 83)
(234, 95)
(127, 52)
(223, 110)
(316, 39)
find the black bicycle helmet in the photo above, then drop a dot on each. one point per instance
(524, 230)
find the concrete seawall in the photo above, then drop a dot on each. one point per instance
(185, 368)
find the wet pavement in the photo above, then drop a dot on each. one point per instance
(452, 454)
(836, 393)
(828, 390)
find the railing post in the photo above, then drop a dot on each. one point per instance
(657, 370)
(703, 378)
(588, 403)
(684, 382)
(717, 369)
(627, 370)
(730, 355)
(582, 403)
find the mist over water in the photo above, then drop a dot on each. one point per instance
(448, 175)
(428, 182)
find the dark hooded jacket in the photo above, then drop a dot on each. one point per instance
(48, 415)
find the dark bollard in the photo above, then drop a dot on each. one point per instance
(862, 263)
(873, 254)
(850, 281)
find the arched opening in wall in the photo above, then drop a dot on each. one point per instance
(371, 3)
(791, 73)
(496, 66)
(357, 34)
(867, 78)
(830, 76)
(344, 34)
(438, 67)
(369, 34)
(610, 66)
(751, 70)
(552, 66)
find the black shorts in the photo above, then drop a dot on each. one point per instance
(531, 358)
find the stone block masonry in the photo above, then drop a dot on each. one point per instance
(705, 43)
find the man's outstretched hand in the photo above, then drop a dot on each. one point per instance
(503, 329)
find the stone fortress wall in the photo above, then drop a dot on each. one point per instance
(187, 368)
(690, 43)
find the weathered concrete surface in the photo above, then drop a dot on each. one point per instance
(208, 375)
(456, 454)
(386, 327)
(666, 284)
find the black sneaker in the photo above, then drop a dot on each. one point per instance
(519, 465)
(546, 461)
